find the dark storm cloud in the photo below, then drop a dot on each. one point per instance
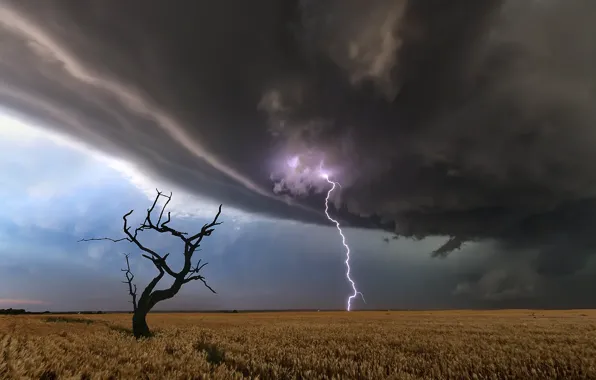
(472, 119)
(483, 128)
(163, 89)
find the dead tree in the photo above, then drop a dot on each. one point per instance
(189, 272)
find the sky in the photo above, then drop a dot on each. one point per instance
(461, 132)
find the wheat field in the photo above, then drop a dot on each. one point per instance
(361, 345)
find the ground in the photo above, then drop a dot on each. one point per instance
(520, 344)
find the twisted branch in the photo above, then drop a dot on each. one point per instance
(132, 288)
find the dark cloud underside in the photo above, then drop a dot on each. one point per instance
(472, 119)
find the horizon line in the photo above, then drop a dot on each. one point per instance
(232, 311)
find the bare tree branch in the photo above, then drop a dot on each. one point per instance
(133, 238)
(104, 238)
(147, 295)
(195, 270)
(206, 230)
(198, 267)
(164, 207)
(200, 278)
(188, 273)
(132, 288)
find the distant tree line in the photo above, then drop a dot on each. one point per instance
(12, 311)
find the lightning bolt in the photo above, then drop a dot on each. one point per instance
(343, 241)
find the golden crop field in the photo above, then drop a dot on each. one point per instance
(363, 345)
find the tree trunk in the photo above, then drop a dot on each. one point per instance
(140, 329)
